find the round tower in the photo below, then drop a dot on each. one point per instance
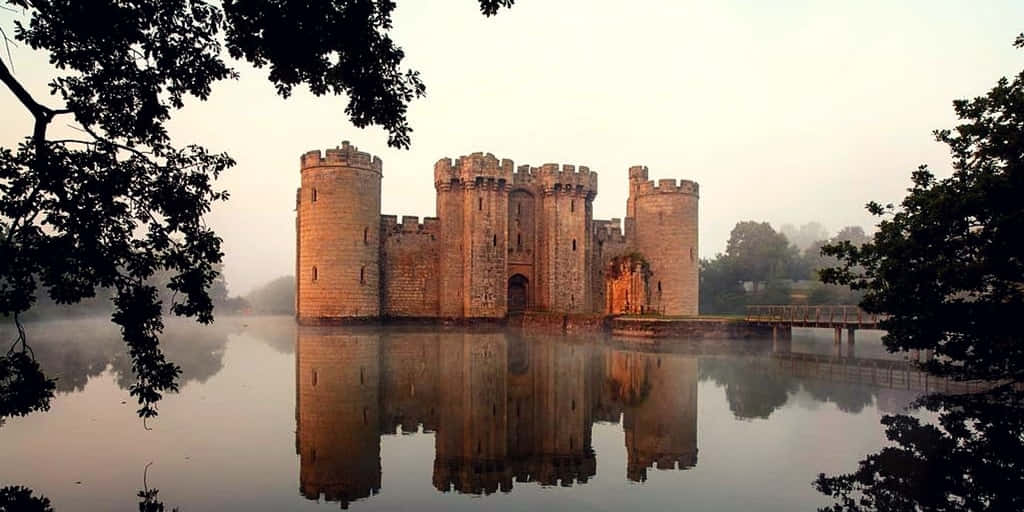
(665, 227)
(338, 247)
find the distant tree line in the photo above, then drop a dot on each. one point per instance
(764, 266)
(276, 297)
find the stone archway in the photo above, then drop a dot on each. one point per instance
(517, 293)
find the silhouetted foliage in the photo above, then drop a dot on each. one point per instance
(971, 460)
(118, 204)
(16, 498)
(946, 267)
(23, 387)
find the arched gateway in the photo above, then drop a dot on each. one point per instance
(517, 287)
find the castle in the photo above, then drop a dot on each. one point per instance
(505, 239)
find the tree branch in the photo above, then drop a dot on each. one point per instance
(38, 111)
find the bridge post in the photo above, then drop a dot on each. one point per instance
(838, 340)
(849, 335)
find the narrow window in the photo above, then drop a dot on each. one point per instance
(314, 195)
(315, 275)
(366, 235)
(494, 241)
(314, 377)
(519, 208)
(480, 204)
(572, 205)
(364, 416)
(361, 369)
(574, 404)
(519, 241)
(494, 410)
(659, 286)
(574, 244)
(691, 254)
(362, 275)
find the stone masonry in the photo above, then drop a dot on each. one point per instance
(505, 239)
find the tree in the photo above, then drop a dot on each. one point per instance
(805, 235)
(720, 289)
(757, 252)
(120, 202)
(946, 266)
(853, 234)
(275, 297)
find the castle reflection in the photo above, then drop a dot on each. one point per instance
(504, 409)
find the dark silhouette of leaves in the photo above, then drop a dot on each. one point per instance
(120, 204)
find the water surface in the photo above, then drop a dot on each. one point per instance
(275, 417)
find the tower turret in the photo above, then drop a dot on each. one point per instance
(664, 230)
(338, 255)
(472, 204)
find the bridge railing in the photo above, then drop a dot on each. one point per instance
(835, 315)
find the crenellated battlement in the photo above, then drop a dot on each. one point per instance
(564, 178)
(608, 231)
(638, 173)
(389, 225)
(346, 155)
(473, 168)
(669, 186)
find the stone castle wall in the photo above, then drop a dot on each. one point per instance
(409, 266)
(495, 225)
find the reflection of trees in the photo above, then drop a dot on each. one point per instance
(751, 393)
(73, 351)
(848, 398)
(971, 460)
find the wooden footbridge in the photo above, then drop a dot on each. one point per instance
(838, 317)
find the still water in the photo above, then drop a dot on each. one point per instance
(275, 417)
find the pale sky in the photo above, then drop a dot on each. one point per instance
(782, 111)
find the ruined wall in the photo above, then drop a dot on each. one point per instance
(626, 284)
(338, 219)
(473, 208)
(609, 242)
(410, 255)
(665, 227)
(337, 409)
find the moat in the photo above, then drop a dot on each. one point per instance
(272, 416)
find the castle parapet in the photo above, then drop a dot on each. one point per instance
(567, 178)
(389, 225)
(472, 169)
(346, 155)
(669, 186)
